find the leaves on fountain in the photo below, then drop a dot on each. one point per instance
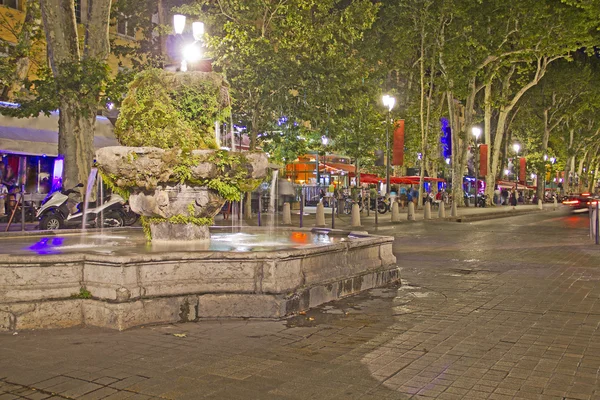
(173, 110)
(177, 219)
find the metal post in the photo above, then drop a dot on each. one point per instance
(333, 212)
(476, 172)
(387, 157)
(22, 208)
(597, 221)
(302, 208)
(259, 207)
(376, 213)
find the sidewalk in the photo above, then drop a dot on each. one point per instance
(505, 310)
(465, 214)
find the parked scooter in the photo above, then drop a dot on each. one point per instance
(58, 210)
(482, 200)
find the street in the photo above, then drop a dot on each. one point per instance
(502, 309)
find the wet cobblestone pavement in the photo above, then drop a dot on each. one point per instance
(501, 309)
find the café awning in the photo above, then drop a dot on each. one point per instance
(39, 135)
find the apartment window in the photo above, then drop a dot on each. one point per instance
(11, 4)
(78, 11)
(124, 27)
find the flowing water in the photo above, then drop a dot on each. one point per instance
(88, 193)
(99, 201)
(272, 220)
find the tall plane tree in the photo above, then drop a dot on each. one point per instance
(79, 72)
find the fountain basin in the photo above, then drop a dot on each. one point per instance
(137, 285)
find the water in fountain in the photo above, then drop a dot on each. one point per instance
(272, 223)
(88, 193)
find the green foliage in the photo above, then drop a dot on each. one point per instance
(109, 180)
(166, 110)
(177, 219)
(232, 169)
(83, 294)
(83, 80)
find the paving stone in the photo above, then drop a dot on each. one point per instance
(494, 309)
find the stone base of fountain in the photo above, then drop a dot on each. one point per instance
(165, 231)
(119, 292)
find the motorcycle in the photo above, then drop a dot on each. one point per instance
(59, 211)
(383, 204)
(482, 200)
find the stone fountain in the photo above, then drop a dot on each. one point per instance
(177, 179)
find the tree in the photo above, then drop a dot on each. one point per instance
(25, 52)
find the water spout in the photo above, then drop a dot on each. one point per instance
(273, 201)
(88, 192)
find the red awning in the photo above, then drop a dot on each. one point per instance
(369, 178)
(413, 180)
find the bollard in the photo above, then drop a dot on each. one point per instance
(453, 210)
(287, 214)
(555, 203)
(333, 214)
(355, 215)
(301, 209)
(540, 205)
(592, 216)
(376, 213)
(597, 221)
(320, 215)
(427, 212)
(259, 208)
(395, 212)
(442, 210)
(411, 211)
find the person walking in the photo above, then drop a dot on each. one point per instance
(513, 199)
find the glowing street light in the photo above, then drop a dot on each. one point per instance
(198, 30)
(192, 52)
(179, 23)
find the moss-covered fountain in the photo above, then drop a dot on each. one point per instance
(169, 166)
(177, 179)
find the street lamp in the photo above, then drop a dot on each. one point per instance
(552, 161)
(516, 148)
(191, 52)
(389, 102)
(476, 132)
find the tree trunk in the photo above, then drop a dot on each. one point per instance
(490, 179)
(542, 65)
(75, 143)
(77, 113)
(248, 206)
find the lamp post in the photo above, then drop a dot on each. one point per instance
(552, 161)
(516, 148)
(476, 132)
(389, 102)
(191, 52)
